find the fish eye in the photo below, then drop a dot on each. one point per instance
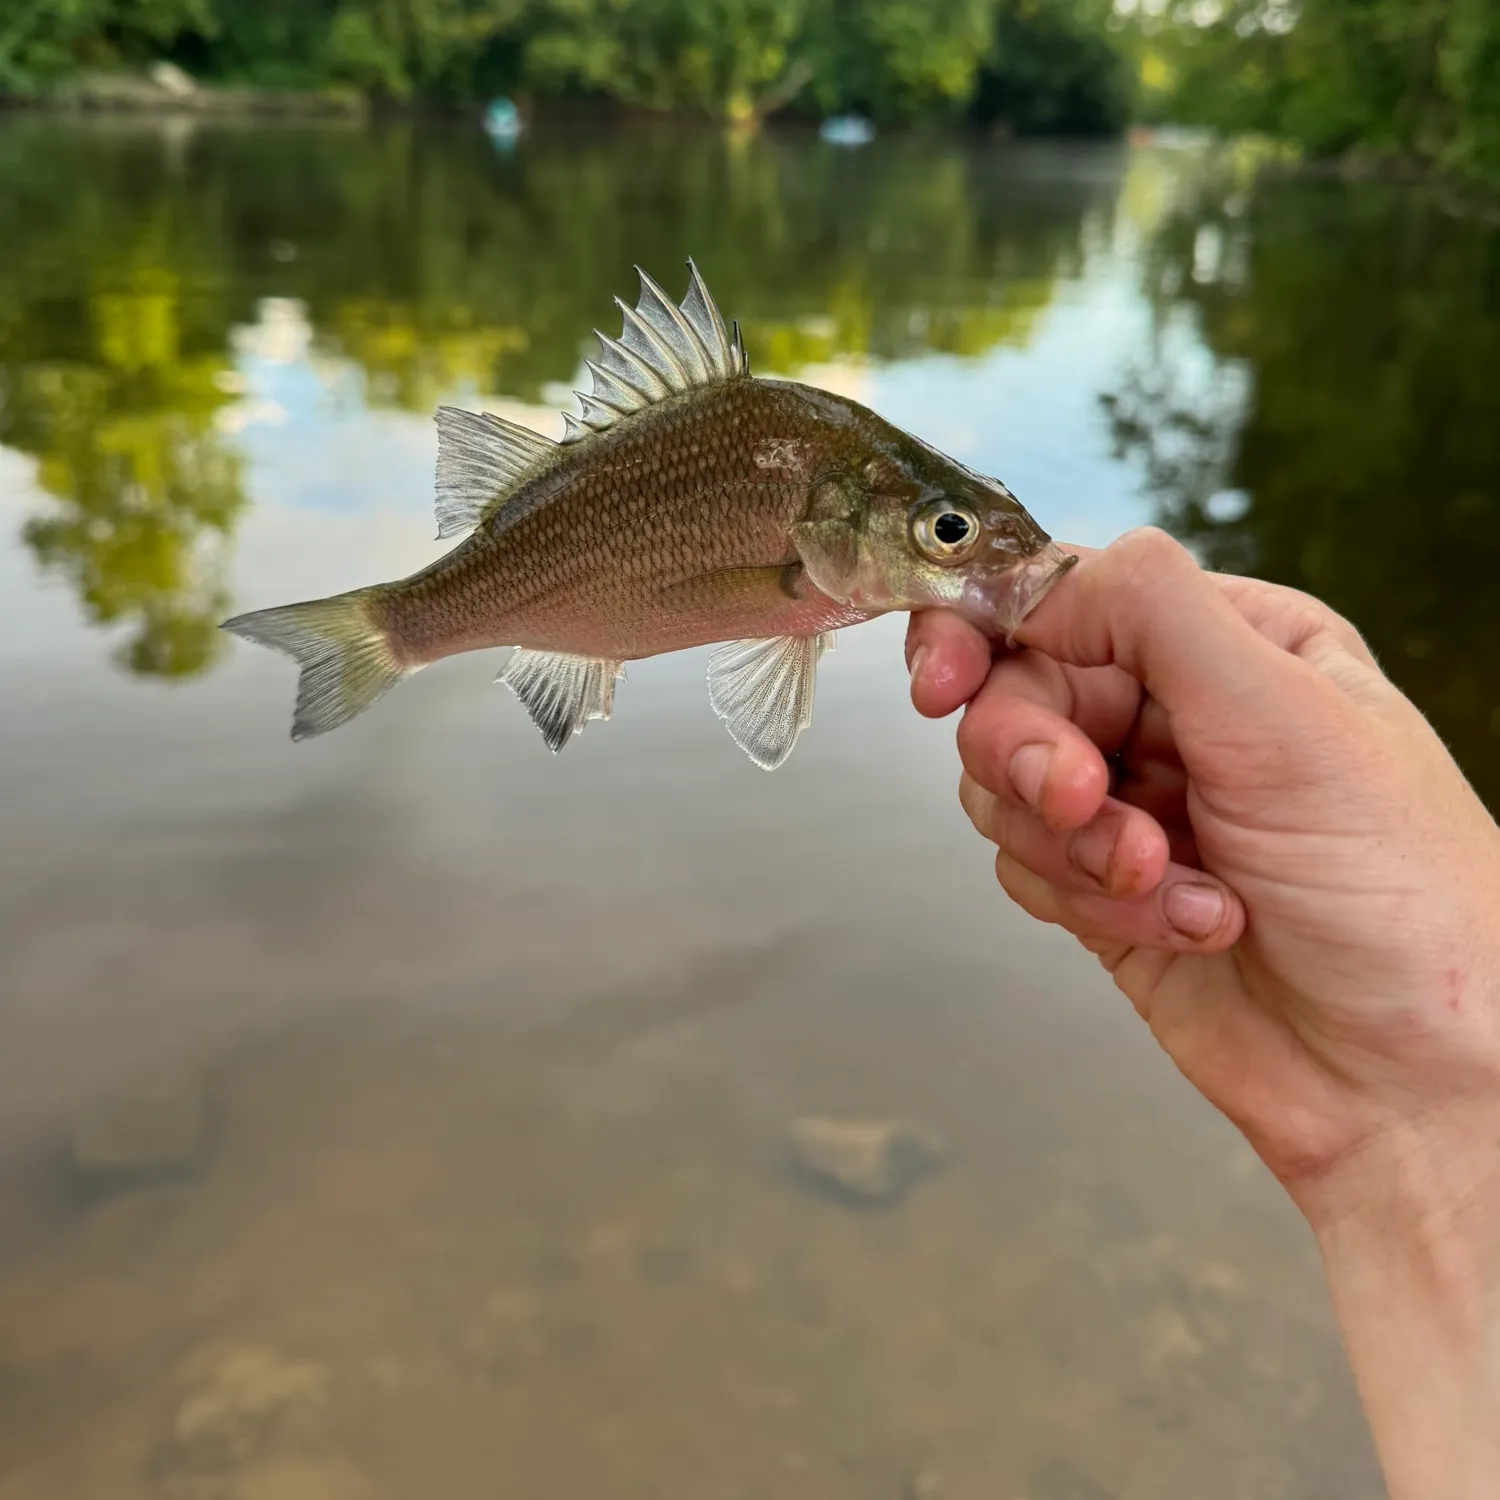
(950, 528)
(945, 532)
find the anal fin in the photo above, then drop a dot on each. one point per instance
(562, 692)
(763, 690)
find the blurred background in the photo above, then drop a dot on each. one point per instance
(410, 1112)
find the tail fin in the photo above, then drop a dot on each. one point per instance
(346, 658)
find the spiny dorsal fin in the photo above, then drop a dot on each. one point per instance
(664, 349)
(481, 458)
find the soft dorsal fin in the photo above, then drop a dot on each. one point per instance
(664, 349)
(481, 458)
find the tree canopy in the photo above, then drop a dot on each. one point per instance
(1418, 79)
(1036, 63)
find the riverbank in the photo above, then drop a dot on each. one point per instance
(165, 90)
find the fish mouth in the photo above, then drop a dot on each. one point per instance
(1033, 581)
(998, 605)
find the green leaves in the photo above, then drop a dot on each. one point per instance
(42, 40)
(716, 57)
(1054, 67)
(895, 59)
(1043, 62)
(1418, 79)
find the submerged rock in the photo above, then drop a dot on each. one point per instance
(866, 1161)
(245, 1402)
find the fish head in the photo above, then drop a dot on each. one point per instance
(900, 526)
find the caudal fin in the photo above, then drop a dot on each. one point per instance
(346, 658)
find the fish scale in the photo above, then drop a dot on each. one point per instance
(692, 504)
(667, 502)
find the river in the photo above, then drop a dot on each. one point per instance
(411, 1112)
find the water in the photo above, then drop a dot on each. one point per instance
(467, 1169)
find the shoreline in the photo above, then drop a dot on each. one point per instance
(167, 94)
(170, 93)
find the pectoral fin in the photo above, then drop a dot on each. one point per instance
(763, 690)
(830, 555)
(561, 692)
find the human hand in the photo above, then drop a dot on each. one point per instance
(1294, 884)
(1292, 881)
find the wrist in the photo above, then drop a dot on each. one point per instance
(1409, 1231)
(1427, 1175)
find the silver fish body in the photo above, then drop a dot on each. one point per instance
(691, 504)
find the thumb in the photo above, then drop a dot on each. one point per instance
(1144, 605)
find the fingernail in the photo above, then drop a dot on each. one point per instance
(1028, 772)
(914, 666)
(1091, 848)
(1194, 910)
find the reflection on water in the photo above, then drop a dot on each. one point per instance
(413, 1113)
(113, 373)
(1344, 436)
(428, 267)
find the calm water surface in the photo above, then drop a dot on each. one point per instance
(405, 1113)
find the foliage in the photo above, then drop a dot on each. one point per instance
(895, 58)
(1418, 79)
(713, 56)
(45, 39)
(1414, 79)
(1054, 67)
(418, 266)
(733, 59)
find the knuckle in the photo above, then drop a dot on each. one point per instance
(1034, 895)
(1023, 700)
(980, 748)
(1150, 549)
(1148, 562)
(1309, 614)
(1349, 635)
(1310, 618)
(970, 740)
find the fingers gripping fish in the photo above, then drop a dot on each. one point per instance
(690, 503)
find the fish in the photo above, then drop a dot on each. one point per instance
(688, 503)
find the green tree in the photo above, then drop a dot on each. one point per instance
(713, 56)
(1054, 67)
(41, 40)
(1469, 69)
(1418, 79)
(1047, 60)
(895, 59)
